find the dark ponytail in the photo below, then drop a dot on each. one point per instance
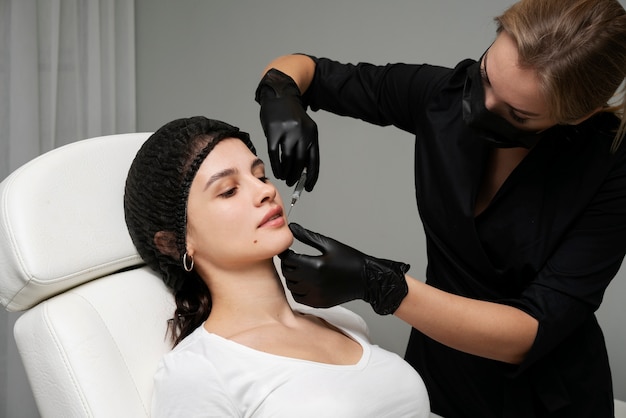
(193, 305)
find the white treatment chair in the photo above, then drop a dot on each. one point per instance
(95, 318)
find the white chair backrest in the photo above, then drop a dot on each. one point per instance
(90, 347)
(62, 219)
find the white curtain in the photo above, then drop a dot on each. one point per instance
(67, 72)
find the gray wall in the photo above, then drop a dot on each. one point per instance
(206, 57)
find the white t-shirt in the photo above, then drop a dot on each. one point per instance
(209, 376)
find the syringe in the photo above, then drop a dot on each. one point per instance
(298, 190)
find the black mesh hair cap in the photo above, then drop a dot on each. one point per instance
(157, 188)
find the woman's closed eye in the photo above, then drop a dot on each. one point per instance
(516, 117)
(230, 192)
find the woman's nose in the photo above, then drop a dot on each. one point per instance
(266, 191)
(494, 105)
(491, 103)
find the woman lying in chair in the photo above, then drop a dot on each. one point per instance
(201, 212)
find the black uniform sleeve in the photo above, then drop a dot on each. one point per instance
(393, 94)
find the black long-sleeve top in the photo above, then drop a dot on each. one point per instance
(549, 242)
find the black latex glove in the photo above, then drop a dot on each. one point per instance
(341, 274)
(291, 134)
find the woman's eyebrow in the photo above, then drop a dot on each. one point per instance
(229, 172)
(525, 112)
(257, 163)
(220, 175)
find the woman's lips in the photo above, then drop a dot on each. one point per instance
(273, 218)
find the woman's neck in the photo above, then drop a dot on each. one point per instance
(250, 308)
(246, 299)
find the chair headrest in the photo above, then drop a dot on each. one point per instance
(62, 219)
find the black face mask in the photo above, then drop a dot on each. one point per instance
(489, 126)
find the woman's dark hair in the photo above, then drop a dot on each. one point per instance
(155, 209)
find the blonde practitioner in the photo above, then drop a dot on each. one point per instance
(520, 181)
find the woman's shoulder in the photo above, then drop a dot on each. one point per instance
(183, 378)
(188, 351)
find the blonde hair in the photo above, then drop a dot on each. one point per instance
(578, 48)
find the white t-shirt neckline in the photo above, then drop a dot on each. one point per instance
(365, 348)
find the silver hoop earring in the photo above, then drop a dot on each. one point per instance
(186, 266)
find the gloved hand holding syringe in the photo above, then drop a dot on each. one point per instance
(298, 190)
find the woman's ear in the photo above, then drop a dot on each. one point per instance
(165, 242)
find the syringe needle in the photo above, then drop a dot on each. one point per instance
(298, 190)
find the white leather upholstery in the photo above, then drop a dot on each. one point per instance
(93, 350)
(90, 347)
(62, 219)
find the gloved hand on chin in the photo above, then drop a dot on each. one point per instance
(292, 139)
(341, 274)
